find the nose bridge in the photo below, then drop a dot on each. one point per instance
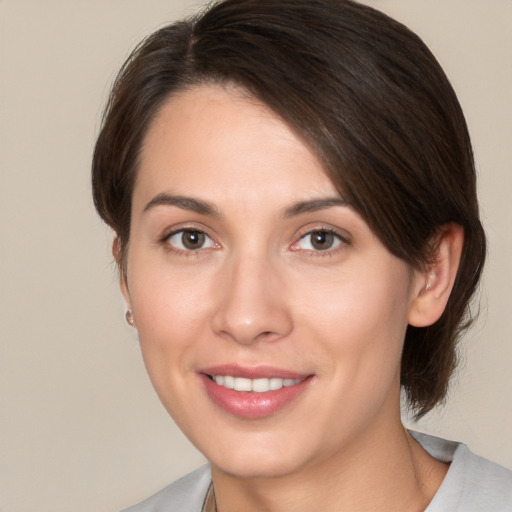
(252, 303)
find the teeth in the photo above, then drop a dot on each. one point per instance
(242, 384)
(256, 385)
(229, 382)
(275, 383)
(260, 385)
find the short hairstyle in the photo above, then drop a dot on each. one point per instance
(365, 94)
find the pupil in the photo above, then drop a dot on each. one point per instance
(192, 239)
(322, 240)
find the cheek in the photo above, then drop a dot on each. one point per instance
(171, 316)
(163, 295)
(171, 312)
(362, 319)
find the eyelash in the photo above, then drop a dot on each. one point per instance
(342, 241)
(165, 241)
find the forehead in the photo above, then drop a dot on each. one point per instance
(213, 139)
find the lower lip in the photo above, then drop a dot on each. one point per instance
(250, 404)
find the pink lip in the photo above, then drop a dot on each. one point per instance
(249, 404)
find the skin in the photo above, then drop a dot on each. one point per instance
(257, 292)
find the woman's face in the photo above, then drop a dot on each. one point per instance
(246, 267)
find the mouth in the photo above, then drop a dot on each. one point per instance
(253, 392)
(261, 385)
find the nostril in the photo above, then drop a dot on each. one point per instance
(265, 334)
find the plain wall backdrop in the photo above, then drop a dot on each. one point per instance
(80, 426)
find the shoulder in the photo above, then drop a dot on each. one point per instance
(186, 494)
(472, 484)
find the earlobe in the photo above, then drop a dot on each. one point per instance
(435, 284)
(123, 285)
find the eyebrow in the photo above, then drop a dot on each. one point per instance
(206, 208)
(184, 202)
(314, 205)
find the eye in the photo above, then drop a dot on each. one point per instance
(319, 240)
(190, 240)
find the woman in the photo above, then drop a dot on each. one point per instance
(292, 191)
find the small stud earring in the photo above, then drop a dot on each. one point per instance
(129, 318)
(427, 287)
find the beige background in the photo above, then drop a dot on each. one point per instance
(81, 429)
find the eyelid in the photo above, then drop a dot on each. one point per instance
(174, 230)
(341, 234)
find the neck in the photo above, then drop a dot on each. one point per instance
(383, 469)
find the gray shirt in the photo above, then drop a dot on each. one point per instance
(472, 484)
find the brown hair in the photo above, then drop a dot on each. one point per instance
(368, 97)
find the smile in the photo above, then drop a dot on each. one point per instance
(262, 385)
(253, 392)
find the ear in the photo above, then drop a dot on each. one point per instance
(123, 284)
(434, 285)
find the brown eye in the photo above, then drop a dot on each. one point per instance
(320, 240)
(190, 240)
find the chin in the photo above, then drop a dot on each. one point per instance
(259, 468)
(254, 458)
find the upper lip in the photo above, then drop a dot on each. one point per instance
(252, 372)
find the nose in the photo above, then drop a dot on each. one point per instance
(252, 302)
